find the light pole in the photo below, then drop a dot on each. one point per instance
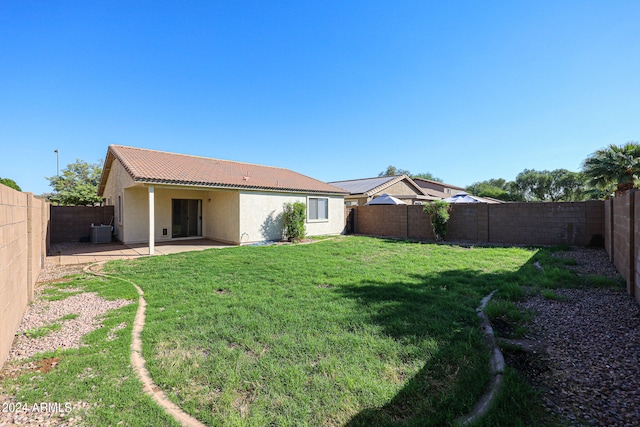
(57, 162)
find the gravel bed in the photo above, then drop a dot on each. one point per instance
(88, 307)
(590, 371)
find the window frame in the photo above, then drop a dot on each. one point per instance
(318, 219)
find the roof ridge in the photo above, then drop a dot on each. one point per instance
(204, 157)
(364, 179)
(155, 166)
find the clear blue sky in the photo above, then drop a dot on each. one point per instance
(466, 90)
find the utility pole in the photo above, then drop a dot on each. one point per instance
(57, 162)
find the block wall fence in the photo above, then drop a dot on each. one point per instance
(24, 231)
(614, 224)
(622, 238)
(569, 223)
(73, 223)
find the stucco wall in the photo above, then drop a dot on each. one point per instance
(117, 181)
(400, 188)
(230, 216)
(220, 216)
(135, 208)
(260, 216)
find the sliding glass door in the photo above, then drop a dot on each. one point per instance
(186, 218)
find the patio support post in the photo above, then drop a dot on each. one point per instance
(151, 220)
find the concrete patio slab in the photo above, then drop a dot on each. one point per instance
(84, 253)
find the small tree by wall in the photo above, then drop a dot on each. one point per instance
(293, 218)
(438, 212)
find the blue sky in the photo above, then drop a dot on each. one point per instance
(336, 90)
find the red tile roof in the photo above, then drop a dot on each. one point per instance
(159, 167)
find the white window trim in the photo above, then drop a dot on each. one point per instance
(309, 220)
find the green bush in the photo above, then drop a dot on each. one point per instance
(438, 212)
(293, 219)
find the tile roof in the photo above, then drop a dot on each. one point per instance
(159, 167)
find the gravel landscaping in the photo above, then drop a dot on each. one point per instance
(588, 370)
(88, 307)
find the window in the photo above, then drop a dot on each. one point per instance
(318, 208)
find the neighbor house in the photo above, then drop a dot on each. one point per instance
(438, 189)
(362, 191)
(159, 196)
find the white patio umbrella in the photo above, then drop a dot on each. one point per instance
(385, 199)
(462, 198)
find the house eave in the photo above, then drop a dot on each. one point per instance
(224, 186)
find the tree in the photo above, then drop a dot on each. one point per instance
(427, 175)
(393, 171)
(617, 165)
(497, 189)
(78, 184)
(439, 215)
(10, 183)
(550, 186)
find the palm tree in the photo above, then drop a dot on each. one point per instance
(616, 165)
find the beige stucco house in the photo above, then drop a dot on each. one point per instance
(159, 196)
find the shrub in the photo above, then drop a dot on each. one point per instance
(438, 212)
(293, 219)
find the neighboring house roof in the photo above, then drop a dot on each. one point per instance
(437, 188)
(371, 186)
(438, 183)
(159, 167)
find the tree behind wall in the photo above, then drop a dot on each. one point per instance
(10, 183)
(77, 185)
(615, 165)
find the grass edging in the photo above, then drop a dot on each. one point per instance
(138, 362)
(496, 366)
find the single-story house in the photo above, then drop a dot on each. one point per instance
(160, 196)
(438, 189)
(362, 191)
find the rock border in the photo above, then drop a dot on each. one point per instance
(137, 359)
(496, 365)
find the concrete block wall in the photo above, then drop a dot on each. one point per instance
(621, 236)
(608, 226)
(24, 223)
(574, 223)
(382, 220)
(636, 246)
(419, 225)
(469, 221)
(72, 223)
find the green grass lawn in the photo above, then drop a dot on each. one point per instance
(355, 331)
(350, 331)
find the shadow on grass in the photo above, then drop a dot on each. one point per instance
(441, 307)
